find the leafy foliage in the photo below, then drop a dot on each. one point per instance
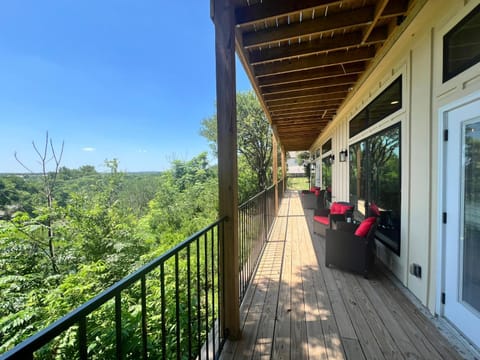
(254, 142)
(104, 226)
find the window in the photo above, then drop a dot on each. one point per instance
(375, 183)
(389, 101)
(327, 146)
(327, 168)
(461, 45)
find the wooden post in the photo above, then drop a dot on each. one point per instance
(284, 169)
(275, 170)
(223, 18)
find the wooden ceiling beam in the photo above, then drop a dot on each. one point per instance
(311, 84)
(295, 94)
(303, 104)
(314, 115)
(270, 9)
(311, 74)
(395, 8)
(378, 12)
(298, 122)
(287, 114)
(310, 62)
(317, 46)
(316, 26)
(307, 99)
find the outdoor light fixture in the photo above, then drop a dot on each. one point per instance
(343, 155)
(332, 159)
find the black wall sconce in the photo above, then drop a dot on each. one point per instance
(343, 155)
(331, 158)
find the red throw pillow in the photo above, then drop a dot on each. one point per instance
(374, 209)
(365, 226)
(341, 209)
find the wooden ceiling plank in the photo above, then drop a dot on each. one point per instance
(303, 104)
(319, 25)
(307, 99)
(299, 113)
(305, 109)
(311, 74)
(310, 62)
(380, 6)
(315, 115)
(395, 8)
(299, 124)
(270, 9)
(310, 84)
(294, 94)
(316, 46)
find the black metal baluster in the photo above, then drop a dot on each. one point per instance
(206, 292)
(162, 298)
(118, 324)
(189, 303)
(199, 313)
(219, 287)
(143, 295)
(212, 236)
(177, 307)
(82, 338)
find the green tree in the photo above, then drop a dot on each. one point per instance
(254, 136)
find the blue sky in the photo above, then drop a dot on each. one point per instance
(121, 79)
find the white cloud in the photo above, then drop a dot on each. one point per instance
(141, 151)
(88, 149)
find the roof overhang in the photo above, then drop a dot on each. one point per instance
(306, 57)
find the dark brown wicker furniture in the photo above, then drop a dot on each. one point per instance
(327, 218)
(345, 250)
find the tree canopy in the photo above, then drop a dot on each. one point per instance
(105, 227)
(254, 140)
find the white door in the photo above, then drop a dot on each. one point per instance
(462, 235)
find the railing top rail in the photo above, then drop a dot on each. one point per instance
(254, 197)
(56, 328)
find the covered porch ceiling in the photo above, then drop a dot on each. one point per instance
(305, 57)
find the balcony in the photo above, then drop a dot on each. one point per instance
(295, 307)
(292, 305)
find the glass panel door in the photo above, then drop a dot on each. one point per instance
(470, 284)
(462, 230)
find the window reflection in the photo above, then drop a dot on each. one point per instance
(375, 183)
(327, 177)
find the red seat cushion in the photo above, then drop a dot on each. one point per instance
(321, 219)
(365, 226)
(341, 209)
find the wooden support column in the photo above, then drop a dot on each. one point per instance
(223, 18)
(275, 170)
(284, 169)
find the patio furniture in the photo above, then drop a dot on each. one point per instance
(324, 218)
(310, 198)
(352, 246)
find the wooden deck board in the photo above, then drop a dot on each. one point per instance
(296, 308)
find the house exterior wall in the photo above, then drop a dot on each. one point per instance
(417, 55)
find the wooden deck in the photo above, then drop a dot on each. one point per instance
(296, 308)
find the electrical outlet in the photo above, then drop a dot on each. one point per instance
(416, 270)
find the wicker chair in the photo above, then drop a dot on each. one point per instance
(311, 198)
(346, 250)
(324, 218)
